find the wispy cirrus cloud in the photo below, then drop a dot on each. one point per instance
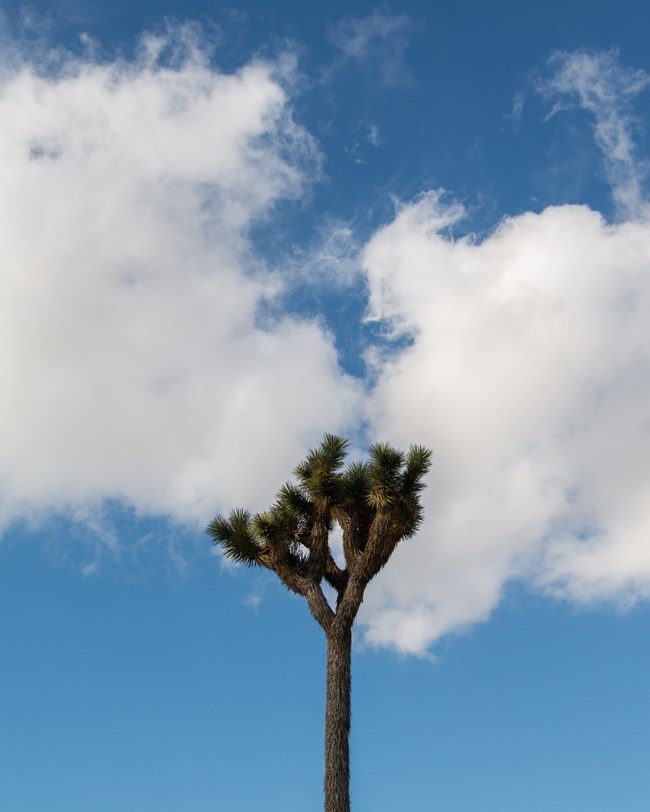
(378, 42)
(598, 83)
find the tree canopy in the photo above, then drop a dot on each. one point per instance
(375, 502)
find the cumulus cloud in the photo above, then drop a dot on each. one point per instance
(528, 373)
(525, 365)
(134, 359)
(598, 83)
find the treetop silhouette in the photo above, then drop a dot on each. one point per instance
(376, 503)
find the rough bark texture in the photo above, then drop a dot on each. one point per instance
(337, 720)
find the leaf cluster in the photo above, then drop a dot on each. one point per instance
(376, 502)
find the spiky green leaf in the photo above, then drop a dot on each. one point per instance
(418, 464)
(319, 474)
(356, 482)
(294, 500)
(236, 537)
(384, 473)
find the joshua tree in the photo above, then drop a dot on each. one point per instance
(376, 504)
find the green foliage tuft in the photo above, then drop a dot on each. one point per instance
(293, 499)
(389, 482)
(319, 474)
(384, 474)
(418, 464)
(235, 536)
(356, 482)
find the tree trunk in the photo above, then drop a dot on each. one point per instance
(337, 720)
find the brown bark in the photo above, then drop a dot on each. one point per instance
(337, 719)
(319, 607)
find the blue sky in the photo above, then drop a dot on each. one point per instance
(226, 231)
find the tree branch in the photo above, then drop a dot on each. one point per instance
(349, 603)
(319, 607)
(382, 540)
(293, 572)
(334, 575)
(318, 549)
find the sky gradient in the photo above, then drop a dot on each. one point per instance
(226, 231)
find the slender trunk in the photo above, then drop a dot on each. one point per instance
(337, 720)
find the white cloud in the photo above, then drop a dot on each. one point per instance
(253, 601)
(529, 375)
(599, 84)
(330, 262)
(133, 361)
(136, 366)
(373, 135)
(379, 40)
(518, 102)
